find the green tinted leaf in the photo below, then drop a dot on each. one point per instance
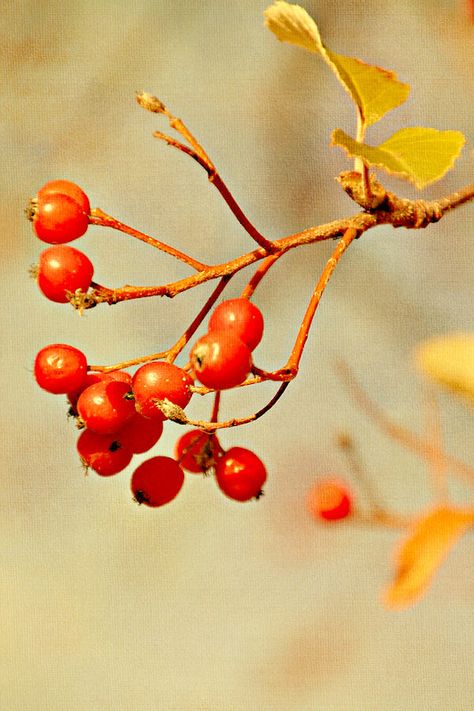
(421, 155)
(374, 90)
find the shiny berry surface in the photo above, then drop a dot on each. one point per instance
(96, 377)
(60, 368)
(220, 360)
(157, 481)
(63, 269)
(66, 187)
(240, 474)
(159, 381)
(104, 407)
(58, 218)
(242, 317)
(140, 433)
(103, 453)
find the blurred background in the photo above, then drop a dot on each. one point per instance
(207, 604)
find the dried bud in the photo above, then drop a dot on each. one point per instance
(150, 103)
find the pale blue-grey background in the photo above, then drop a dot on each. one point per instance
(208, 605)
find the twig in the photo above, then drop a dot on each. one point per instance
(198, 154)
(417, 445)
(236, 421)
(99, 217)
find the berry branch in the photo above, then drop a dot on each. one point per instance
(98, 217)
(151, 103)
(121, 413)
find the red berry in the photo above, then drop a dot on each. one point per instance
(197, 451)
(103, 453)
(63, 269)
(65, 187)
(140, 433)
(160, 381)
(104, 408)
(220, 360)
(242, 317)
(330, 500)
(240, 474)
(58, 218)
(157, 481)
(60, 368)
(95, 377)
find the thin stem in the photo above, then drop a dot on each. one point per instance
(417, 445)
(127, 363)
(98, 217)
(346, 240)
(171, 353)
(262, 269)
(372, 494)
(181, 147)
(192, 328)
(359, 165)
(200, 156)
(289, 371)
(399, 213)
(437, 464)
(314, 234)
(382, 518)
(217, 181)
(236, 422)
(215, 409)
(202, 390)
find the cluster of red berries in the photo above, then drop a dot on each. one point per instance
(222, 358)
(120, 414)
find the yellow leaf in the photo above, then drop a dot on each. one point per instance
(291, 23)
(373, 89)
(449, 360)
(421, 155)
(421, 554)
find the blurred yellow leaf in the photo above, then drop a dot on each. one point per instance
(421, 155)
(449, 360)
(373, 89)
(421, 554)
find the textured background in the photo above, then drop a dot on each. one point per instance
(208, 605)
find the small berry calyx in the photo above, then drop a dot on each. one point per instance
(59, 212)
(330, 500)
(62, 270)
(198, 451)
(160, 381)
(241, 317)
(220, 360)
(60, 368)
(240, 474)
(157, 481)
